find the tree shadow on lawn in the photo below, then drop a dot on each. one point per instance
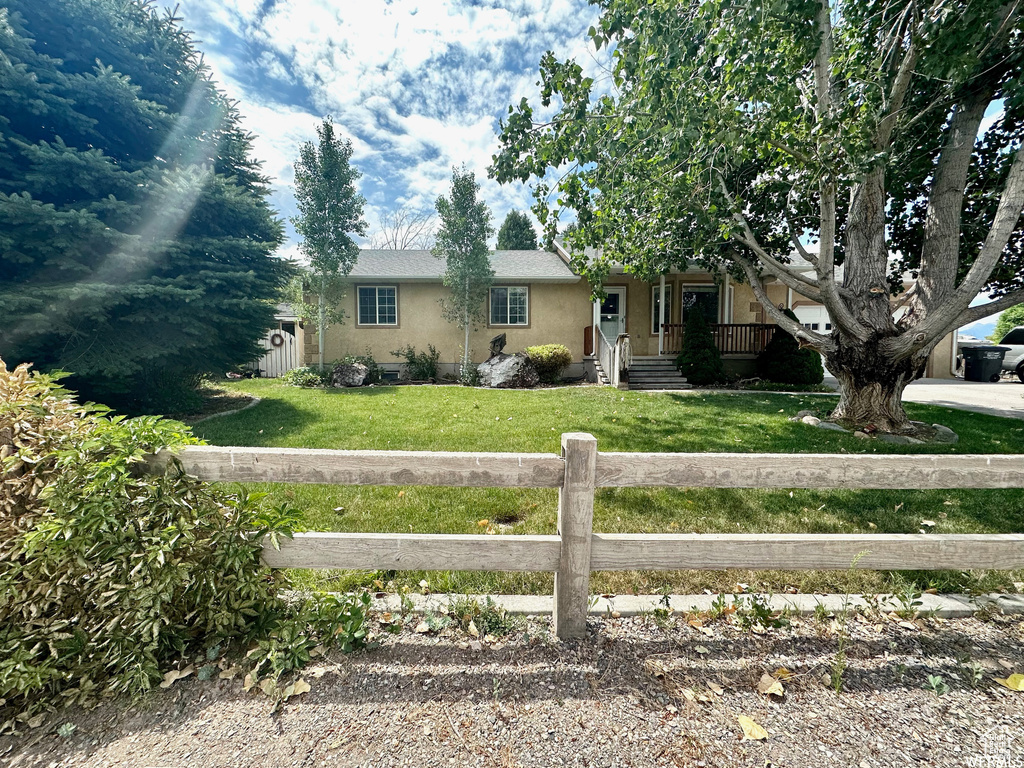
(263, 425)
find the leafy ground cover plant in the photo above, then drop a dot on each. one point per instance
(308, 376)
(420, 366)
(110, 575)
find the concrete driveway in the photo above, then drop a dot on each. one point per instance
(1005, 398)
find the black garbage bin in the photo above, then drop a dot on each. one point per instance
(983, 363)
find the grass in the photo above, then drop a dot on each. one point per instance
(456, 418)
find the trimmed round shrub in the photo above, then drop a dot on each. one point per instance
(309, 376)
(700, 361)
(785, 362)
(550, 360)
(111, 575)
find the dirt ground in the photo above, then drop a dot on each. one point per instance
(634, 693)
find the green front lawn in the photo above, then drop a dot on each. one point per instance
(460, 419)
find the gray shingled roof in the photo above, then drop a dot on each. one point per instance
(535, 266)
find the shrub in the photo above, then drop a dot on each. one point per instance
(783, 360)
(550, 360)
(700, 361)
(109, 575)
(310, 376)
(420, 366)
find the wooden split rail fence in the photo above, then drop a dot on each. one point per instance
(577, 550)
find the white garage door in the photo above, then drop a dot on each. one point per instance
(814, 318)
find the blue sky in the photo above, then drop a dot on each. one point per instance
(418, 85)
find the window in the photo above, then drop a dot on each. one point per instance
(1016, 336)
(377, 305)
(510, 306)
(702, 297)
(656, 304)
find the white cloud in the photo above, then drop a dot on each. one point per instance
(419, 85)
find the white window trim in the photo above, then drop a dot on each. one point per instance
(376, 305)
(490, 305)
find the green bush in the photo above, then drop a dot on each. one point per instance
(550, 360)
(783, 360)
(420, 366)
(110, 575)
(700, 361)
(310, 376)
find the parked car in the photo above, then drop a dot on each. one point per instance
(1014, 359)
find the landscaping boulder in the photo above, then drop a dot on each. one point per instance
(349, 375)
(508, 372)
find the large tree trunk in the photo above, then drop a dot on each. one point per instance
(871, 385)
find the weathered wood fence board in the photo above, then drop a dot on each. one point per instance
(576, 550)
(805, 551)
(313, 465)
(808, 470)
(415, 552)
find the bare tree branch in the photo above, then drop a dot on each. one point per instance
(403, 229)
(973, 314)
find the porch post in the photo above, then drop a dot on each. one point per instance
(593, 328)
(661, 318)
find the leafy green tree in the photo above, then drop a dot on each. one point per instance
(1008, 320)
(136, 242)
(330, 212)
(784, 361)
(462, 243)
(517, 233)
(700, 361)
(738, 132)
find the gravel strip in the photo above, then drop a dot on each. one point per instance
(636, 692)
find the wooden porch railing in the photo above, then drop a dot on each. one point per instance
(730, 338)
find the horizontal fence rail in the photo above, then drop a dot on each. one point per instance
(576, 550)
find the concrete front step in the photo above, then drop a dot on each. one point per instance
(660, 387)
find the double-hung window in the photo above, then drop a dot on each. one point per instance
(510, 305)
(377, 305)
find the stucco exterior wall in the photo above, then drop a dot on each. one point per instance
(558, 314)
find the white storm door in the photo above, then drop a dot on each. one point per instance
(613, 313)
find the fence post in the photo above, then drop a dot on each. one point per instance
(575, 527)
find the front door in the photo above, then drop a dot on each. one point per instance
(613, 313)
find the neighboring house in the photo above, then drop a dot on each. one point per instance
(537, 299)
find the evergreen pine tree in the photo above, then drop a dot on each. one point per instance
(785, 362)
(136, 241)
(517, 233)
(700, 362)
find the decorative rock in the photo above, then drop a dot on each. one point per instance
(862, 435)
(801, 414)
(832, 426)
(885, 437)
(508, 372)
(812, 420)
(945, 434)
(349, 375)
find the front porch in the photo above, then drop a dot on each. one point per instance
(730, 338)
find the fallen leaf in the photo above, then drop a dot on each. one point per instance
(929, 523)
(472, 629)
(422, 628)
(715, 687)
(297, 688)
(782, 674)
(701, 650)
(751, 730)
(35, 722)
(248, 683)
(230, 673)
(688, 695)
(176, 674)
(1014, 682)
(268, 686)
(768, 685)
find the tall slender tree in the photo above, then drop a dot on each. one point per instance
(462, 242)
(517, 233)
(330, 212)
